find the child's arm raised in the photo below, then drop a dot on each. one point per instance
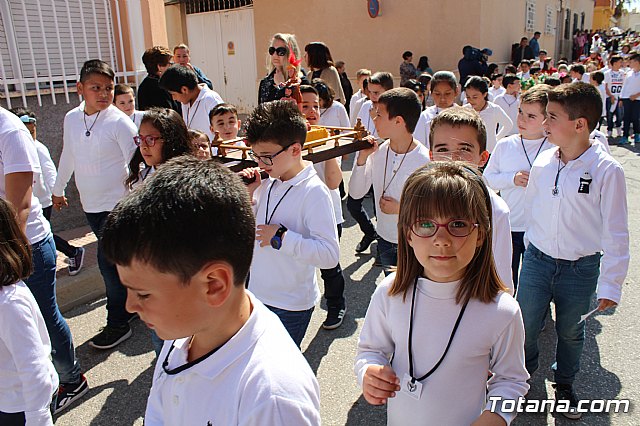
(361, 176)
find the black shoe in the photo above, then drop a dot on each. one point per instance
(68, 393)
(76, 262)
(110, 337)
(335, 316)
(566, 393)
(364, 243)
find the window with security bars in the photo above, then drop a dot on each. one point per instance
(530, 16)
(549, 27)
(200, 6)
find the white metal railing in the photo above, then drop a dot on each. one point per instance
(46, 60)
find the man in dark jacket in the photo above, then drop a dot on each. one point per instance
(523, 51)
(473, 62)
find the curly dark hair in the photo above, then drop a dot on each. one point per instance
(174, 134)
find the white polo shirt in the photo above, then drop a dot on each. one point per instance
(99, 161)
(587, 214)
(18, 154)
(259, 377)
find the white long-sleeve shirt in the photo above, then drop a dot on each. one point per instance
(631, 85)
(18, 154)
(509, 158)
(100, 160)
(354, 111)
(43, 183)
(373, 172)
(335, 115)
(490, 337)
(196, 115)
(365, 117)
(510, 105)
(259, 377)
(497, 123)
(421, 132)
(27, 374)
(286, 278)
(587, 216)
(352, 104)
(501, 239)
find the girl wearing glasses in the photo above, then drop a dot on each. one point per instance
(272, 86)
(162, 136)
(435, 327)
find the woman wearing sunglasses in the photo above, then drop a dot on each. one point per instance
(272, 86)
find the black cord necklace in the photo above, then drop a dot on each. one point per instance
(527, 155)
(87, 132)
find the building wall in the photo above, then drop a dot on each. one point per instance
(175, 25)
(434, 28)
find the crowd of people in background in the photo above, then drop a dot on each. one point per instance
(224, 273)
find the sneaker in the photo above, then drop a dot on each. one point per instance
(334, 319)
(566, 393)
(68, 393)
(364, 243)
(75, 262)
(110, 337)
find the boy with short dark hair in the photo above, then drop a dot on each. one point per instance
(197, 99)
(182, 56)
(226, 359)
(630, 96)
(98, 144)
(125, 100)
(296, 231)
(577, 71)
(576, 209)
(613, 81)
(459, 133)
(509, 100)
(508, 168)
(224, 120)
(388, 166)
(379, 83)
(525, 68)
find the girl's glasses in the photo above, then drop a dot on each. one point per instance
(281, 51)
(148, 140)
(426, 228)
(266, 159)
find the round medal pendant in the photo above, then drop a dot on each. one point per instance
(87, 133)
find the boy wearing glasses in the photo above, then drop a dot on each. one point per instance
(97, 146)
(296, 227)
(459, 134)
(226, 360)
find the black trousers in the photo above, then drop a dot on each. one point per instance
(334, 283)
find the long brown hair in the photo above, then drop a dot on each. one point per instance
(15, 251)
(448, 189)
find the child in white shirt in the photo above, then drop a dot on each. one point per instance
(98, 144)
(630, 95)
(459, 133)
(332, 113)
(577, 233)
(226, 359)
(296, 231)
(125, 101)
(444, 318)
(508, 101)
(387, 166)
(496, 121)
(362, 75)
(28, 377)
(379, 83)
(444, 89)
(597, 80)
(496, 88)
(508, 168)
(197, 99)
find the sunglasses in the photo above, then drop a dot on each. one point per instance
(426, 228)
(148, 140)
(281, 51)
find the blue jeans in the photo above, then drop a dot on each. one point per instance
(42, 284)
(388, 254)
(117, 315)
(571, 285)
(517, 244)
(295, 322)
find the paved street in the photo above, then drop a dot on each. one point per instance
(120, 379)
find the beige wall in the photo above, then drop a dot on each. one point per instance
(176, 25)
(154, 22)
(436, 28)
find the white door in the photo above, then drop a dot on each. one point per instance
(223, 45)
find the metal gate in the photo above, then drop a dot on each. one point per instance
(222, 44)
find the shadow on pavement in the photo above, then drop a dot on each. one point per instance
(365, 414)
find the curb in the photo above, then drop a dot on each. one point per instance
(85, 287)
